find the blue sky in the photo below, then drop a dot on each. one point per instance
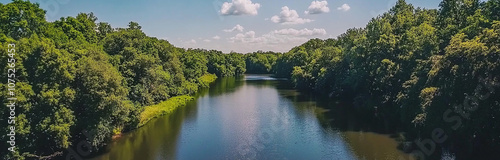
(232, 25)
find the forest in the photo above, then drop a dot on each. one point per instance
(416, 69)
(76, 74)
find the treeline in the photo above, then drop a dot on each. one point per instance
(77, 74)
(261, 62)
(418, 70)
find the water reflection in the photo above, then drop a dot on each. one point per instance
(255, 117)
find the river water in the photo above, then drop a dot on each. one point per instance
(254, 117)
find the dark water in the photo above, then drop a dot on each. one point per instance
(256, 117)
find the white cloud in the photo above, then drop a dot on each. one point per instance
(302, 32)
(206, 40)
(248, 37)
(288, 16)
(216, 37)
(192, 41)
(344, 7)
(238, 28)
(283, 36)
(239, 7)
(318, 7)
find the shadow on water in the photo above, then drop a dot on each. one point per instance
(367, 137)
(224, 85)
(161, 135)
(147, 141)
(235, 111)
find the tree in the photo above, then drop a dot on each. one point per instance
(134, 25)
(21, 19)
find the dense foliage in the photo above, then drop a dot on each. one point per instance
(260, 62)
(417, 70)
(225, 65)
(77, 74)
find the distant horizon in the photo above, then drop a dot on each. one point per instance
(242, 26)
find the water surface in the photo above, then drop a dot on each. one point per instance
(255, 117)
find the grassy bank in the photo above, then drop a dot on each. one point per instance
(165, 107)
(206, 79)
(168, 106)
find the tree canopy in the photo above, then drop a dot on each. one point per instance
(417, 69)
(78, 74)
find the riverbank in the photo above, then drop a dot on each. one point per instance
(207, 79)
(165, 107)
(168, 106)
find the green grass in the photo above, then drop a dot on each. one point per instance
(206, 79)
(168, 106)
(165, 107)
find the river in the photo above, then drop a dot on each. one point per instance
(254, 117)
